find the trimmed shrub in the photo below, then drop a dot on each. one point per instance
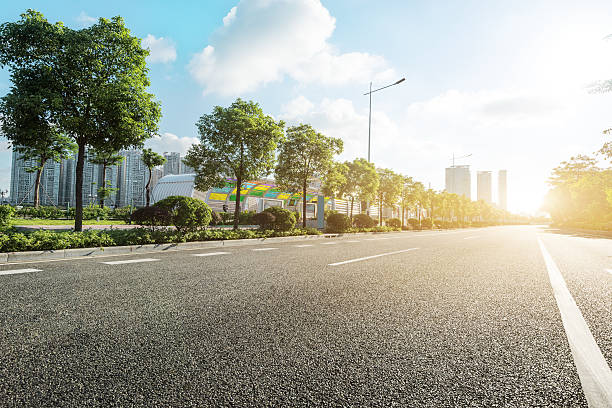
(6, 215)
(151, 216)
(394, 223)
(215, 218)
(363, 221)
(187, 214)
(265, 220)
(246, 217)
(338, 222)
(284, 219)
(414, 223)
(426, 223)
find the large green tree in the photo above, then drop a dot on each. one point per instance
(389, 189)
(98, 82)
(105, 158)
(151, 159)
(238, 141)
(305, 156)
(362, 181)
(408, 196)
(26, 119)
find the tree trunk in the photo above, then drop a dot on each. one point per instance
(148, 199)
(380, 210)
(403, 212)
(103, 186)
(352, 201)
(304, 206)
(237, 209)
(78, 210)
(37, 183)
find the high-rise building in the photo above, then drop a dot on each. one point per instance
(502, 186)
(132, 179)
(458, 180)
(484, 186)
(185, 169)
(173, 163)
(22, 182)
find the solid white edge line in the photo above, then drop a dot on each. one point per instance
(17, 271)
(212, 254)
(130, 261)
(370, 257)
(593, 370)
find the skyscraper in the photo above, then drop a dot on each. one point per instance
(484, 186)
(172, 164)
(458, 180)
(22, 182)
(502, 186)
(132, 179)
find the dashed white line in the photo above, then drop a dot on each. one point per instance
(593, 370)
(264, 249)
(328, 243)
(609, 271)
(130, 261)
(370, 257)
(16, 271)
(374, 239)
(352, 241)
(303, 245)
(475, 236)
(212, 254)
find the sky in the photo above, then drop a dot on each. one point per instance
(507, 82)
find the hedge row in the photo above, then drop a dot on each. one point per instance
(13, 241)
(89, 213)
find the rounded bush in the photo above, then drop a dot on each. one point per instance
(426, 223)
(363, 221)
(284, 219)
(265, 220)
(151, 217)
(414, 223)
(394, 223)
(215, 218)
(187, 214)
(338, 222)
(6, 215)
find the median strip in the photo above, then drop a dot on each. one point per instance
(130, 261)
(16, 271)
(212, 254)
(370, 257)
(593, 370)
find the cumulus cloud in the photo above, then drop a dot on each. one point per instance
(85, 20)
(263, 41)
(169, 142)
(161, 49)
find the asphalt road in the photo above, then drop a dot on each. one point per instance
(467, 318)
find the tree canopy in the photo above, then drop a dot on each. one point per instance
(238, 141)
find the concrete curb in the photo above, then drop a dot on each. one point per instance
(73, 253)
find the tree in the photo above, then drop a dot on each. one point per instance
(98, 83)
(389, 189)
(238, 141)
(27, 121)
(408, 195)
(363, 180)
(105, 158)
(335, 181)
(304, 156)
(151, 160)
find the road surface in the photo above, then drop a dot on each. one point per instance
(502, 316)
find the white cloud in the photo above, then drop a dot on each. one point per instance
(161, 49)
(227, 20)
(169, 142)
(85, 20)
(264, 41)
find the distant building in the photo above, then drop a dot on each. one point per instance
(484, 186)
(185, 169)
(502, 186)
(458, 180)
(22, 182)
(132, 179)
(172, 164)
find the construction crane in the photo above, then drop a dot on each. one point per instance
(461, 157)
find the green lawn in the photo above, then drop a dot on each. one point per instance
(39, 221)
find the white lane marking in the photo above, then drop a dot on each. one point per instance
(609, 270)
(130, 261)
(374, 239)
(16, 271)
(593, 370)
(303, 245)
(475, 236)
(212, 254)
(264, 249)
(351, 241)
(328, 243)
(370, 257)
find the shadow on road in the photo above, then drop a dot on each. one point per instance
(578, 232)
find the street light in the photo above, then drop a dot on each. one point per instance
(370, 116)
(462, 157)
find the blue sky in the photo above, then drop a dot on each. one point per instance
(505, 81)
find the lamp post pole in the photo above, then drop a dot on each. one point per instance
(370, 121)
